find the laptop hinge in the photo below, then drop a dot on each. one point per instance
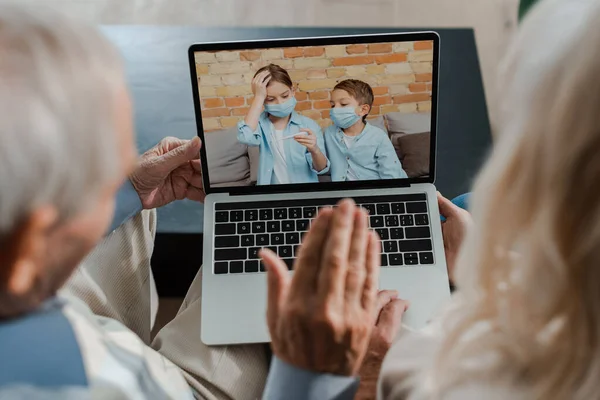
(317, 188)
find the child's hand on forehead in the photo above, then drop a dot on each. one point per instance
(259, 84)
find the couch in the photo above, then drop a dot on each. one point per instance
(235, 164)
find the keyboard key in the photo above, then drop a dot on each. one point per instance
(292, 238)
(230, 254)
(390, 246)
(259, 227)
(253, 253)
(295, 213)
(418, 233)
(383, 209)
(288, 226)
(273, 226)
(265, 214)
(376, 221)
(222, 216)
(426, 258)
(397, 233)
(421, 219)
(281, 213)
(384, 260)
(391, 220)
(411, 259)
(415, 208)
(227, 241)
(414, 245)
(309, 212)
(236, 267)
(302, 225)
(285, 251)
(384, 234)
(251, 266)
(395, 259)
(398, 208)
(236, 216)
(262, 240)
(251, 215)
(289, 262)
(221, 268)
(277, 238)
(273, 249)
(247, 240)
(406, 220)
(243, 228)
(369, 207)
(224, 229)
(261, 266)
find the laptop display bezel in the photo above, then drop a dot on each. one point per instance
(317, 41)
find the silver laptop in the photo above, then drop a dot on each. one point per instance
(264, 186)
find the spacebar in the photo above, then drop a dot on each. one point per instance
(230, 254)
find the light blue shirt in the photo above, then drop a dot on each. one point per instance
(286, 382)
(371, 157)
(299, 159)
(127, 204)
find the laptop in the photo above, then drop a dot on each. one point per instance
(264, 191)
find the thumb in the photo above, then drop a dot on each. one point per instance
(278, 282)
(180, 155)
(447, 208)
(390, 320)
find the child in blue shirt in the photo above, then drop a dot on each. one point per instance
(356, 149)
(292, 149)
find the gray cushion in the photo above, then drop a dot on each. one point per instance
(379, 122)
(227, 158)
(408, 123)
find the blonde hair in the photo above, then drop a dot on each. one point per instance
(527, 308)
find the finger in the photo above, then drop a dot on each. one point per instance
(266, 82)
(181, 155)
(310, 132)
(277, 285)
(373, 260)
(382, 298)
(197, 166)
(196, 180)
(334, 263)
(390, 319)
(195, 194)
(309, 257)
(447, 208)
(357, 268)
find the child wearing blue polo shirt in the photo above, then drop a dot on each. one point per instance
(356, 149)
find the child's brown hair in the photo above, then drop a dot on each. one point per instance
(361, 91)
(278, 74)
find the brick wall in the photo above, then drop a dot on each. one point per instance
(399, 73)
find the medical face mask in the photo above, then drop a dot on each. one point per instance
(281, 110)
(344, 117)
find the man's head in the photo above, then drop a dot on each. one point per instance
(66, 144)
(353, 93)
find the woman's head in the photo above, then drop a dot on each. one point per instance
(530, 269)
(280, 87)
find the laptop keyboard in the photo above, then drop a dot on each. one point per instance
(242, 229)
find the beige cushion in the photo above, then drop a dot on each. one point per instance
(227, 158)
(408, 123)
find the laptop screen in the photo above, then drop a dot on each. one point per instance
(314, 114)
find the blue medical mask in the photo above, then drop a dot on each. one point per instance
(281, 110)
(344, 117)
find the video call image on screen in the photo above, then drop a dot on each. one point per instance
(316, 114)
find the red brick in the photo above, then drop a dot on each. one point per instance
(412, 98)
(234, 101)
(313, 114)
(300, 96)
(417, 87)
(325, 114)
(215, 112)
(380, 100)
(424, 45)
(378, 91)
(213, 103)
(314, 51)
(391, 58)
(240, 111)
(380, 48)
(303, 105)
(356, 60)
(429, 86)
(423, 77)
(292, 52)
(374, 112)
(249, 55)
(356, 49)
(322, 104)
(321, 95)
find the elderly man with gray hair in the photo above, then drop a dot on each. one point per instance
(81, 329)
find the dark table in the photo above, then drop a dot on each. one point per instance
(158, 74)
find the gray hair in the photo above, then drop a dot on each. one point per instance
(59, 81)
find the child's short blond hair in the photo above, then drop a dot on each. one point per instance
(361, 91)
